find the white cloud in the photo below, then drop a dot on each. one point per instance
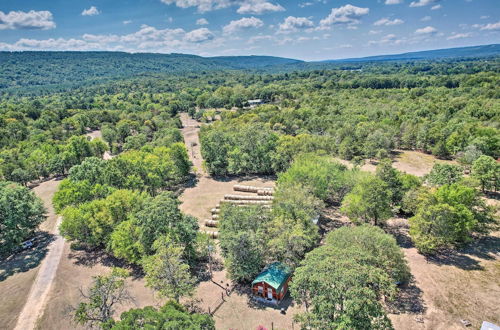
(305, 4)
(101, 38)
(390, 39)
(244, 23)
(388, 22)
(491, 26)
(258, 7)
(291, 24)
(426, 30)
(372, 32)
(484, 17)
(146, 39)
(201, 5)
(127, 22)
(199, 35)
(201, 21)
(347, 14)
(393, 2)
(421, 3)
(92, 11)
(425, 18)
(55, 44)
(436, 7)
(32, 20)
(258, 38)
(459, 36)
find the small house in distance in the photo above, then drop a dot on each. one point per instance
(272, 283)
(254, 103)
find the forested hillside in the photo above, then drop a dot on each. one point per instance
(22, 72)
(38, 73)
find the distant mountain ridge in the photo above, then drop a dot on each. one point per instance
(472, 51)
(34, 71)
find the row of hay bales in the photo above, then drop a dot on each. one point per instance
(264, 197)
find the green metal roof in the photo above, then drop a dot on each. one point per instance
(275, 275)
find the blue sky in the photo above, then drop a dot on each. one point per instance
(304, 29)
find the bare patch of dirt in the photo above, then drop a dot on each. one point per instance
(412, 162)
(463, 284)
(416, 162)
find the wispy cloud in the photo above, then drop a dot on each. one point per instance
(426, 30)
(201, 21)
(92, 11)
(454, 36)
(255, 7)
(421, 3)
(388, 22)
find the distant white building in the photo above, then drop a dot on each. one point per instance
(254, 103)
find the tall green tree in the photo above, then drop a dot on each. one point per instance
(242, 240)
(447, 217)
(342, 282)
(369, 201)
(486, 170)
(293, 230)
(166, 270)
(20, 214)
(444, 174)
(161, 216)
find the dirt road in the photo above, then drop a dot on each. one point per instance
(18, 274)
(190, 129)
(40, 289)
(98, 134)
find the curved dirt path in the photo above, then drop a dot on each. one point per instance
(41, 286)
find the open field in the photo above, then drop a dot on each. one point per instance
(416, 162)
(462, 285)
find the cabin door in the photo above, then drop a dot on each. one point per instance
(269, 293)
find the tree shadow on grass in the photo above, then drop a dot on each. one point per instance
(331, 219)
(408, 300)
(201, 270)
(89, 257)
(485, 248)
(28, 259)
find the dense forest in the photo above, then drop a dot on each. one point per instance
(119, 193)
(41, 73)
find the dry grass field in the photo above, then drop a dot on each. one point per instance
(461, 285)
